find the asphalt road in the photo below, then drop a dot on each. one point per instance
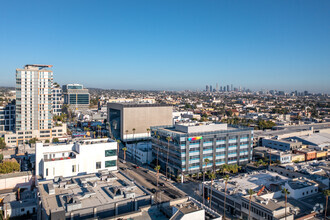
(148, 178)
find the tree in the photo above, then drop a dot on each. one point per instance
(1, 157)
(148, 130)
(286, 193)
(158, 137)
(47, 141)
(2, 143)
(9, 167)
(212, 176)
(33, 140)
(250, 192)
(157, 168)
(326, 193)
(206, 161)
(98, 130)
(168, 151)
(124, 149)
(118, 143)
(55, 140)
(225, 178)
(133, 130)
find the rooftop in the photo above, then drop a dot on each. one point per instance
(240, 184)
(87, 191)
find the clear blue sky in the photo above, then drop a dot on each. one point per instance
(179, 44)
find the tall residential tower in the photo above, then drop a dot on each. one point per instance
(34, 97)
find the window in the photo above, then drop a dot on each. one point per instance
(110, 163)
(73, 168)
(109, 153)
(46, 171)
(98, 165)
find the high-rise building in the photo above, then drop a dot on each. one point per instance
(220, 88)
(34, 106)
(207, 88)
(7, 117)
(217, 87)
(231, 87)
(34, 97)
(228, 88)
(57, 100)
(211, 90)
(76, 96)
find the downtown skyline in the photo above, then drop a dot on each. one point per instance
(171, 46)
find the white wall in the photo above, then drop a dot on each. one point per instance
(85, 161)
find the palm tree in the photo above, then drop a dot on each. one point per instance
(158, 137)
(124, 149)
(168, 138)
(270, 157)
(225, 178)
(250, 192)
(157, 168)
(126, 135)
(286, 193)
(148, 130)
(326, 194)
(133, 130)
(212, 176)
(206, 161)
(118, 143)
(98, 130)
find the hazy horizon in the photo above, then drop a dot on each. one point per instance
(170, 45)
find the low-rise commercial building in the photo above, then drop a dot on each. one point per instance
(309, 153)
(140, 152)
(274, 155)
(282, 145)
(14, 139)
(100, 195)
(184, 147)
(298, 157)
(70, 159)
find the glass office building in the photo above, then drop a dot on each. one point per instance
(76, 96)
(186, 146)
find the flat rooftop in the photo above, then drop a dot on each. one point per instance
(240, 184)
(87, 191)
(300, 183)
(137, 105)
(200, 129)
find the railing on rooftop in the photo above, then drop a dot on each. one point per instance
(170, 131)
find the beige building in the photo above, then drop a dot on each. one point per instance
(130, 121)
(13, 139)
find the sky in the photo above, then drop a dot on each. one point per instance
(170, 44)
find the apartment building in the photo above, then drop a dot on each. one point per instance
(186, 146)
(70, 159)
(57, 100)
(7, 117)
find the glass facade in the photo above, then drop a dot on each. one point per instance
(109, 153)
(110, 163)
(220, 147)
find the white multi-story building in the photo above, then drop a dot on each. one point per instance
(34, 97)
(71, 159)
(34, 106)
(141, 151)
(57, 100)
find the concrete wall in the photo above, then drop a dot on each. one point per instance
(85, 161)
(22, 181)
